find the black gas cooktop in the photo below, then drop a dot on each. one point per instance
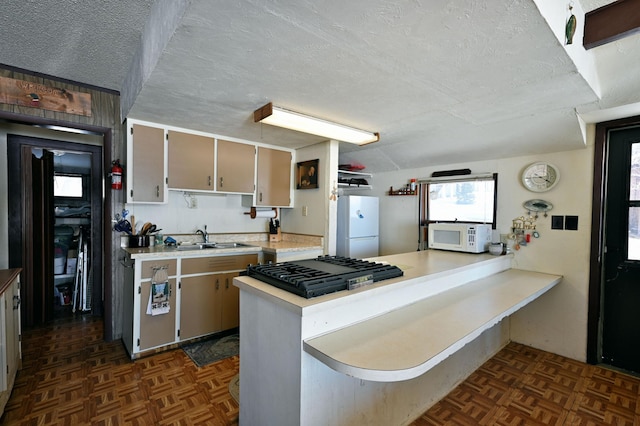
(324, 274)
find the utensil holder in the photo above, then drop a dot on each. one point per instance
(136, 241)
(275, 238)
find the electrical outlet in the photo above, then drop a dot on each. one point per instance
(305, 210)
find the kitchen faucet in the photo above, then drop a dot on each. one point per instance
(205, 235)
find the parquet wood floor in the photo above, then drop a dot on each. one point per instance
(526, 386)
(70, 376)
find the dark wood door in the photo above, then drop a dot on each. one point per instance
(621, 288)
(39, 223)
(31, 214)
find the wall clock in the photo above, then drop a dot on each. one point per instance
(540, 176)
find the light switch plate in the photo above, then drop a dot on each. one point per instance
(557, 222)
(571, 223)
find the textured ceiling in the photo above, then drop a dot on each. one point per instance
(589, 5)
(463, 81)
(91, 42)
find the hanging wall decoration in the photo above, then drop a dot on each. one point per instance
(570, 28)
(35, 95)
(307, 175)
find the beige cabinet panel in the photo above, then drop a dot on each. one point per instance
(235, 167)
(191, 161)
(210, 303)
(12, 322)
(199, 265)
(146, 167)
(230, 302)
(200, 305)
(274, 177)
(157, 330)
(10, 353)
(149, 266)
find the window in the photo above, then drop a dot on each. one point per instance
(633, 243)
(468, 198)
(68, 186)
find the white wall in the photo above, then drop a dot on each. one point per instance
(221, 214)
(321, 209)
(557, 322)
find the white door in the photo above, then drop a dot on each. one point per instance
(363, 217)
(361, 248)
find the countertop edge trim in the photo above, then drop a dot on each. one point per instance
(7, 276)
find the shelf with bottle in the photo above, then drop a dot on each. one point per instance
(353, 180)
(402, 191)
(410, 189)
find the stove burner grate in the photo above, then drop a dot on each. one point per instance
(325, 274)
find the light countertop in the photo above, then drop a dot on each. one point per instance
(286, 246)
(255, 246)
(407, 342)
(7, 276)
(397, 329)
(417, 267)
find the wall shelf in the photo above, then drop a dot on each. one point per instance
(353, 180)
(73, 220)
(401, 191)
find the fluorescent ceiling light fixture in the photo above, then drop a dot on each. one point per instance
(280, 117)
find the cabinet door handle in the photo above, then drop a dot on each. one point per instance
(221, 182)
(16, 302)
(261, 197)
(157, 191)
(209, 184)
(217, 284)
(227, 279)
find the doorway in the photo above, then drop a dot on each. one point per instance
(621, 285)
(614, 294)
(49, 228)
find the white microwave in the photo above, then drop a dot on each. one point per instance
(466, 237)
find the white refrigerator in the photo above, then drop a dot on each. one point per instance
(357, 226)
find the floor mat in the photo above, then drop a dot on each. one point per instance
(208, 351)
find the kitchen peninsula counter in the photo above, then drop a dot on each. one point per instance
(374, 355)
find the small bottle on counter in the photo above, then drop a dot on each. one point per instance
(412, 185)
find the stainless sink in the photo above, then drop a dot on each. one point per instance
(231, 245)
(184, 247)
(202, 246)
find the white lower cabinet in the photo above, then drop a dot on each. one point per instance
(10, 348)
(201, 300)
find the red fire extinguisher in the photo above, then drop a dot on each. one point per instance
(116, 175)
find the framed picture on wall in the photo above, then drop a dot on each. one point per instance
(307, 174)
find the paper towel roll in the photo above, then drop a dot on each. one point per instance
(266, 213)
